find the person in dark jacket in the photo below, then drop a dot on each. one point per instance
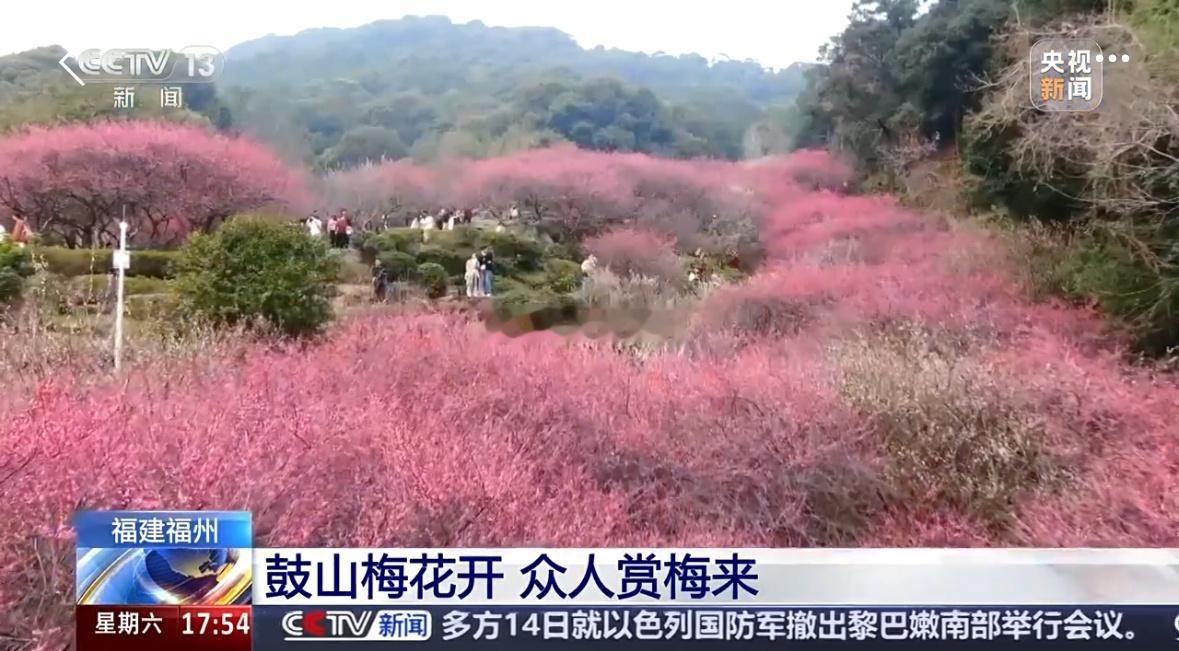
(380, 281)
(486, 271)
(344, 230)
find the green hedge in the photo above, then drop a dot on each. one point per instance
(525, 261)
(1126, 288)
(399, 265)
(543, 308)
(132, 286)
(433, 278)
(454, 262)
(83, 262)
(525, 254)
(406, 240)
(15, 265)
(153, 306)
(562, 276)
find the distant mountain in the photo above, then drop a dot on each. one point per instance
(324, 53)
(428, 87)
(28, 73)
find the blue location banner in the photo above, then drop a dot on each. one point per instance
(163, 529)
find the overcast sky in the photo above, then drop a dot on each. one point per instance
(774, 32)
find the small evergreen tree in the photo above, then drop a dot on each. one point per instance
(253, 268)
(15, 265)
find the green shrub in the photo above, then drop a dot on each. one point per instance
(542, 308)
(465, 237)
(1124, 287)
(433, 277)
(994, 179)
(505, 285)
(562, 276)
(454, 262)
(565, 250)
(252, 268)
(74, 262)
(1093, 267)
(714, 267)
(83, 262)
(512, 250)
(153, 306)
(153, 264)
(95, 285)
(15, 265)
(406, 240)
(449, 239)
(399, 265)
(366, 243)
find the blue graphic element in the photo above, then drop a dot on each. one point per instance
(163, 557)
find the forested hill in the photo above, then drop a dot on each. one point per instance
(477, 50)
(429, 88)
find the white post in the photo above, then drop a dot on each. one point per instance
(120, 260)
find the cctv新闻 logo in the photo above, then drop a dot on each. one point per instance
(387, 625)
(193, 64)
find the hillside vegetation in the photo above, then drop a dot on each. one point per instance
(1093, 197)
(429, 88)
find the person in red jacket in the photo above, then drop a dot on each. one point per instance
(20, 231)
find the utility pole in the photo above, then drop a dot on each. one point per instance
(121, 261)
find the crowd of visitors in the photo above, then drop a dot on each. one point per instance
(339, 228)
(479, 276)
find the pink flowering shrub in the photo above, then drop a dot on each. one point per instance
(73, 181)
(810, 169)
(630, 252)
(570, 193)
(880, 380)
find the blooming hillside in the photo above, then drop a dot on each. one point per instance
(878, 381)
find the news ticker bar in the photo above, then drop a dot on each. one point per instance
(770, 577)
(491, 628)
